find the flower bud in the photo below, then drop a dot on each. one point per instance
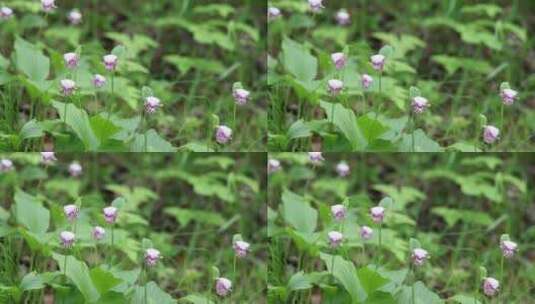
(315, 5)
(110, 214)
(367, 81)
(335, 238)
(223, 134)
(67, 239)
(151, 256)
(152, 104)
(508, 248)
(366, 233)
(75, 17)
(110, 62)
(71, 60)
(335, 86)
(71, 212)
(6, 165)
(99, 81)
(241, 248)
(274, 13)
(491, 286)
(490, 134)
(48, 157)
(378, 62)
(342, 169)
(508, 96)
(274, 165)
(223, 286)
(241, 96)
(6, 13)
(75, 169)
(419, 104)
(68, 86)
(377, 213)
(48, 5)
(315, 157)
(419, 256)
(343, 17)
(98, 233)
(338, 212)
(339, 60)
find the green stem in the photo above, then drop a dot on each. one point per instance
(146, 283)
(234, 115)
(109, 102)
(501, 275)
(413, 122)
(380, 242)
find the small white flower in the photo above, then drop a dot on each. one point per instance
(6, 13)
(338, 212)
(343, 17)
(151, 256)
(377, 213)
(223, 134)
(75, 17)
(342, 169)
(335, 238)
(378, 62)
(110, 62)
(366, 233)
(241, 248)
(223, 286)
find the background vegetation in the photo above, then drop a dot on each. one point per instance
(456, 205)
(189, 206)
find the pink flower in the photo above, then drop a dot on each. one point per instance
(110, 62)
(338, 212)
(508, 248)
(335, 238)
(367, 81)
(419, 256)
(342, 169)
(6, 165)
(67, 239)
(335, 86)
(377, 213)
(490, 134)
(71, 60)
(151, 104)
(110, 214)
(223, 286)
(315, 5)
(339, 60)
(223, 134)
(6, 13)
(241, 248)
(241, 96)
(48, 5)
(48, 157)
(151, 256)
(71, 212)
(366, 233)
(68, 87)
(419, 104)
(75, 169)
(378, 62)
(99, 81)
(75, 17)
(98, 233)
(315, 157)
(491, 286)
(343, 17)
(508, 96)
(274, 165)
(274, 13)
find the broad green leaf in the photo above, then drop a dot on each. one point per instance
(299, 129)
(452, 64)
(78, 272)
(421, 143)
(345, 272)
(298, 213)
(103, 280)
(30, 60)
(30, 212)
(452, 216)
(422, 295)
(78, 120)
(185, 216)
(463, 299)
(222, 10)
(150, 141)
(103, 128)
(346, 121)
(299, 281)
(31, 129)
(490, 10)
(387, 51)
(298, 61)
(196, 299)
(185, 64)
(155, 295)
(32, 281)
(371, 280)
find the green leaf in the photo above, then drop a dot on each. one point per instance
(299, 129)
(452, 64)
(103, 280)
(185, 216)
(490, 10)
(31, 61)
(30, 212)
(422, 143)
(346, 121)
(78, 120)
(298, 213)
(298, 61)
(463, 299)
(299, 282)
(155, 295)
(32, 281)
(371, 280)
(414, 92)
(345, 272)
(103, 128)
(414, 243)
(387, 51)
(222, 10)
(152, 141)
(185, 64)
(452, 216)
(31, 129)
(422, 295)
(196, 299)
(78, 272)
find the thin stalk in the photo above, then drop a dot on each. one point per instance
(413, 122)
(109, 105)
(146, 283)
(380, 242)
(234, 116)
